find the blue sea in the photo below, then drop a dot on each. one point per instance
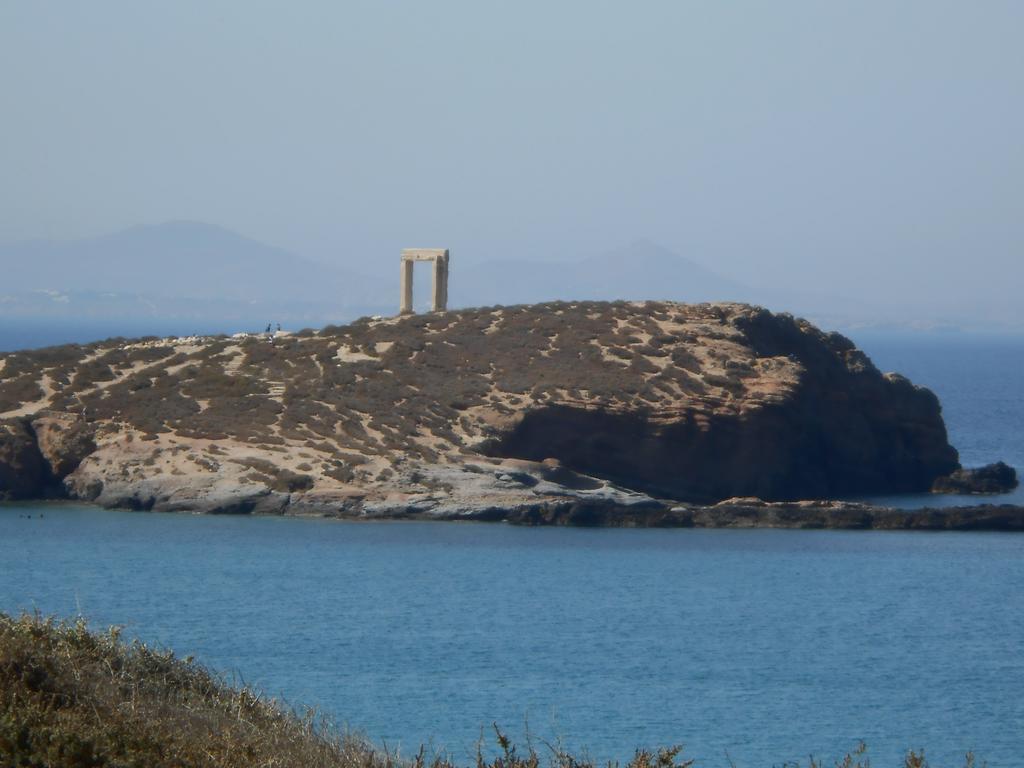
(980, 382)
(758, 647)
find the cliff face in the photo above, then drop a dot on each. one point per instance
(475, 410)
(841, 428)
(21, 465)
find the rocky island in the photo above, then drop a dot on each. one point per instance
(646, 413)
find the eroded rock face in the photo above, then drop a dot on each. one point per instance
(22, 469)
(843, 428)
(469, 412)
(64, 440)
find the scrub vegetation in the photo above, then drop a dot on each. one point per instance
(380, 386)
(748, 403)
(72, 698)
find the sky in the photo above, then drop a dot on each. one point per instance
(870, 149)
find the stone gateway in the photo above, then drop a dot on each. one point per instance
(439, 256)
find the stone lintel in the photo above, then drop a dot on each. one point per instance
(424, 254)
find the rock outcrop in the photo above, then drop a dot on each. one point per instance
(805, 515)
(64, 440)
(22, 469)
(488, 413)
(992, 478)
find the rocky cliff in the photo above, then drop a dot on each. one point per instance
(486, 412)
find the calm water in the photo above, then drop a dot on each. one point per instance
(980, 383)
(768, 644)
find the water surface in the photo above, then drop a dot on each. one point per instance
(768, 644)
(977, 379)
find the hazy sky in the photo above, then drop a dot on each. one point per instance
(860, 147)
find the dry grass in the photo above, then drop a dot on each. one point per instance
(71, 698)
(393, 377)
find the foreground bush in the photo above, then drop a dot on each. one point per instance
(71, 698)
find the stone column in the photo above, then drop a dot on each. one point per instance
(440, 284)
(406, 306)
(444, 294)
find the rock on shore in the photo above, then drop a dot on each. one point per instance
(471, 413)
(992, 478)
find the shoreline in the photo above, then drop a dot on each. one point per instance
(738, 514)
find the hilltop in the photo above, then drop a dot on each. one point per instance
(528, 412)
(145, 278)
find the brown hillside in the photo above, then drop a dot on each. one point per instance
(481, 409)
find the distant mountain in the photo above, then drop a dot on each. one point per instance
(184, 274)
(640, 271)
(178, 259)
(175, 278)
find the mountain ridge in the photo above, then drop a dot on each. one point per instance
(179, 259)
